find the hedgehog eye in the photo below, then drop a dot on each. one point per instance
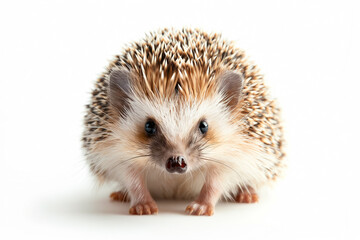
(203, 126)
(150, 127)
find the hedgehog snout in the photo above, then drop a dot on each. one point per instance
(176, 164)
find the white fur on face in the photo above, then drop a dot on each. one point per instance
(175, 119)
(233, 157)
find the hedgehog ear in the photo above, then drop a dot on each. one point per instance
(230, 85)
(120, 88)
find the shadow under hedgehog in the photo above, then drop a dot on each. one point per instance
(183, 115)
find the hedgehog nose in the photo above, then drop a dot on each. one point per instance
(176, 164)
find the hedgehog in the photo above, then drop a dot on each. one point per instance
(183, 114)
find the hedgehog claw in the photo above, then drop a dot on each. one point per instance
(200, 209)
(249, 196)
(144, 209)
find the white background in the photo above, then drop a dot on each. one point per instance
(51, 52)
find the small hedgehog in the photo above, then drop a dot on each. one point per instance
(183, 115)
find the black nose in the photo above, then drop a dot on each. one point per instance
(176, 164)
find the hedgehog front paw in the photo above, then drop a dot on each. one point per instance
(200, 209)
(144, 208)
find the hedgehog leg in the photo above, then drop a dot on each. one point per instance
(205, 203)
(247, 195)
(141, 201)
(120, 196)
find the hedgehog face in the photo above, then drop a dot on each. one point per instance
(178, 134)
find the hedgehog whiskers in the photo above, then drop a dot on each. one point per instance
(219, 162)
(129, 159)
(224, 164)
